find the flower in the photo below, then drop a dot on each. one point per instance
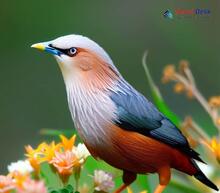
(81, 153)
(183, 65)
(49, 151)
(218, 121)
(24, 167)
(64, 162)
(31, 186)
(214, 102)
(67, 144)
(6, 184)
(215, 147)
(44, 152)
(103, 181)
(168, 73)
(179, 88)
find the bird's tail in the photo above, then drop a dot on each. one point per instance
(202, 178)
(199, 175)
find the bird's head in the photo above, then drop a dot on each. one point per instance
(81, 59)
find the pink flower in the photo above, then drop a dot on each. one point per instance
(6, 184)
(31, 186)
(64, 162)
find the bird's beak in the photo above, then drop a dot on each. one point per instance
(45, 46)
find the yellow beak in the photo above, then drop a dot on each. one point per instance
(39, 46)
(45, 46)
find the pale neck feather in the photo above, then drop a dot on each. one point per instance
(91, 108)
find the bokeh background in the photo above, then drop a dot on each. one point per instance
(32, 93)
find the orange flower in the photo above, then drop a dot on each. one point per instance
(64, 162)
(214, 101)
(168, 73)
(179, 88)
(183, 65)
(67, 144)
(6, 184)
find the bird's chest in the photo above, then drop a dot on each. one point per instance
(92, 112)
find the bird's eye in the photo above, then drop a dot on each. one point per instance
(72, 51)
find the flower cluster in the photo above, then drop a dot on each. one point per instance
(184, 82)
(64, 157)
(20, 181)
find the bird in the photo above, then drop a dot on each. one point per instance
(117, 123)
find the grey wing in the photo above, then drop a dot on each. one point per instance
(136, 113)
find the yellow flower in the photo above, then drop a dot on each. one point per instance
(35, 156)
(168, 73)
(67, 144)
(49, 151)
(37, 153)
(215, 147)
(130, 190)
(44, 152)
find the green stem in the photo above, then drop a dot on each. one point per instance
(77, 177)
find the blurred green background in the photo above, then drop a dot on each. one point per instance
(32, 94)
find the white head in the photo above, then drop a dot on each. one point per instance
(81, 58)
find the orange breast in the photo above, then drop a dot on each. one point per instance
(140, 154)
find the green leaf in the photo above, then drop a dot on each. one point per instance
(157, 97)
(50, 177)
(66, 189)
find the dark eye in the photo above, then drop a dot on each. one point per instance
(72, 51)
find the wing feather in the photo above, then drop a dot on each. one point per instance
(136, 113)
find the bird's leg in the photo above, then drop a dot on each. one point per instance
(164, 177)
(160, 188)
(128, 178)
